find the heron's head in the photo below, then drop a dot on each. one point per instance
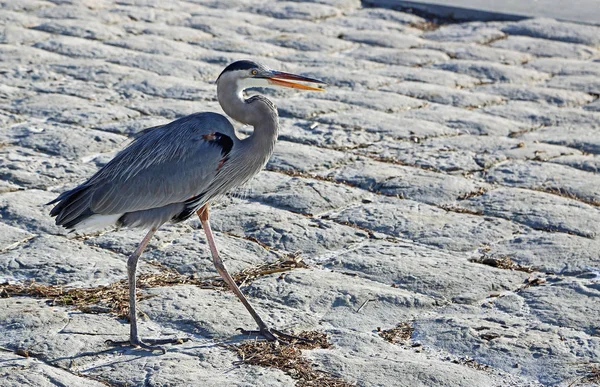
(245, 74)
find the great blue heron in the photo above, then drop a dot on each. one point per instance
(173, 171)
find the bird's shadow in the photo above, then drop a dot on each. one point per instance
(133, 354)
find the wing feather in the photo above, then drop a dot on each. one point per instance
(166, 165)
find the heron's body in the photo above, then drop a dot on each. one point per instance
(173, 171)
(165, 175)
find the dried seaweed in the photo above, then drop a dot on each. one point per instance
(399, 335)
(289, 359)
(114, 298)
(471, 363)
(591, 379)
(503, 262)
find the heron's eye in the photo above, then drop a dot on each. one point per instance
(254, 72)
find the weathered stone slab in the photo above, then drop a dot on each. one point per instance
(585, 83)
(594, 106)
(92, 10)
(383, 38)
(444, 95)
(226, 26)
(284, 230)
(577, 308)
(585, 139)
(33, 170)
(413, 268)
(474, 32)
(17, 54)
(427, 224)
(304, 196)
(495, 337)
(46, 333)
(51, 107)
(170, 108)
(590, 163)
(21, 371)
(294, 157)
(490, 72)
(471, 51)
(305, 43)
(438, 77)
(97, 71)
(546, 252)
(79, 48)
(376, 100)
(538, 115)
(558, 97)
(389, 15)
(403, 367)
(541, 211)
(11, 237)
(405, 182)
(11, 34)
(183, 34)
(167, 87)
(392, 56)
(554, 30)
(15, 18)
(183, 248)
(466, 121)
(176, 67)
(308, 108)
(50, 260)
(131, 127)
(85, 90)
(349, 79)
(559, 66)
(546, 48)
(88, 29)
(296, 10)
(61, 140)
(152, 44)
(558, 179)
(402, 125)
(332, 298)
(26, 211)
(369, 23)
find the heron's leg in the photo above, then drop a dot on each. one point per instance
(268, 333)
(134, 338)
(220, 266)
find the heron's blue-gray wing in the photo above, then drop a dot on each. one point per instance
(170, 164)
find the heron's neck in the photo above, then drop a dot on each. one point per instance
(257, 111)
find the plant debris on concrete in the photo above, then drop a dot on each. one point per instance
(399, 335)
(114, 298)
(289, 359)
(503, 263)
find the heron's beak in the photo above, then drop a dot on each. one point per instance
(280, 78)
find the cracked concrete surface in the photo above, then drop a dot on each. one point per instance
(438, 154)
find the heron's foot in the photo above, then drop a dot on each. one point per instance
(271, 334)
(148, 344)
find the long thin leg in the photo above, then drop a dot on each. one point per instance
(264, 330)
(220, 266)
(134, 338)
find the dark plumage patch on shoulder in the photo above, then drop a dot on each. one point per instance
(221, 140)
(240, 65)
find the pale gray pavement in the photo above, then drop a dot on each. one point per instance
(432, 150)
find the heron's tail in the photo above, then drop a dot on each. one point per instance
(72, 207)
